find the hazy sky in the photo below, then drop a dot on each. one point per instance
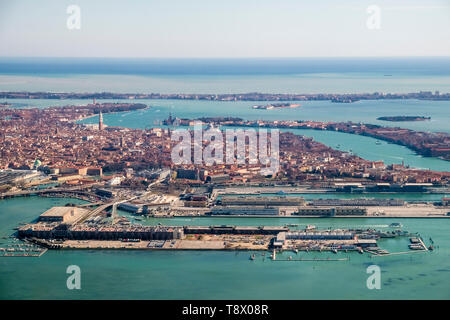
(231, 28)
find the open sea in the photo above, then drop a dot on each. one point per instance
(225, 275)
(294, 75)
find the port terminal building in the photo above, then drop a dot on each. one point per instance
(263, 230)
(247, 210)
(85, 232)
(273, 201)
(63, 214)
(331, 211)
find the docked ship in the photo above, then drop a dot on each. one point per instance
(276, 106)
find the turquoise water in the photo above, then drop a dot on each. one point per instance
(225, 275)
(361, 111)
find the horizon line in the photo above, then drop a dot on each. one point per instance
(227, 58)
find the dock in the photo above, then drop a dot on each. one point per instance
(314, 259)
(26, 254)
(398, 253)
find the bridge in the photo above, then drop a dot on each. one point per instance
(103, 206)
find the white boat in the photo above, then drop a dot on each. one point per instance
(395, 225)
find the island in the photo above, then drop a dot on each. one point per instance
(404, 118)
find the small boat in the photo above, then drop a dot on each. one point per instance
(334, 250)
(252, 257)
(395, 225)
(292, 225)
(290, 257)
(378, 142)
(310, 227)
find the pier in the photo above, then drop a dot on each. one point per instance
(21, 252)
(314, 259)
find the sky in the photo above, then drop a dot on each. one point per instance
(225, 29)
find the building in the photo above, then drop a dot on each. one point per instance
(225, 229)
(129, 207)
(218, 178)
(81, 232)
(323, 235)
(115, 181)
(105, 193)
(100, 121)
(357, 202)
(262, 201)
(256, 210)
(191, 174)
(333, 211)
(62, 214)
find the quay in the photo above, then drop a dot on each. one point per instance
(313, 259)
(81, 228)
(20, 253)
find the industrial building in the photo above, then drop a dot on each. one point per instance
(191, 174)
(105, 193)
(219, 178)
(322, 235)
(333, 211)
(62, 214)
(263, 230)
(357, 202)
(129, 207)
(262, 201)
(82, 232)
(254, 210)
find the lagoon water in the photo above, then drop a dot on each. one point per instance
(224, 275)
(363, 111)
(365, 147)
